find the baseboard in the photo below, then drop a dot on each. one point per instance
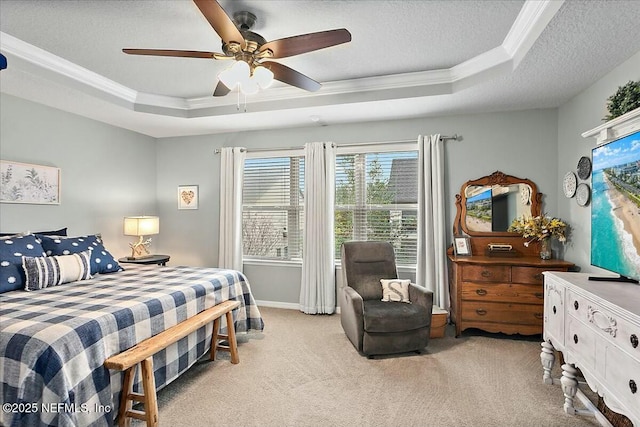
(285, 305)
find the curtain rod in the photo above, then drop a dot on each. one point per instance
(454, 137)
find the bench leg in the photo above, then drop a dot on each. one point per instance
(149, 385)
(231, 334)
(125, 402)
(214, 338)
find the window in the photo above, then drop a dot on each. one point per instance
(377, 199)
(273, 208)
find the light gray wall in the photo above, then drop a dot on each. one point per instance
(582, 113)
(518, 143)
(107, 172)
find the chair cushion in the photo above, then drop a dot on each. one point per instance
(365, 263)
(381, 317)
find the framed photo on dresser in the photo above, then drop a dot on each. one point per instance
(462, 246)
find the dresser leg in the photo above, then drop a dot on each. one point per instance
(569, 387)
(548, 358)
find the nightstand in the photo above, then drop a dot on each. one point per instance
(153, 259)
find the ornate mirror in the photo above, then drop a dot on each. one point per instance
(486, 206)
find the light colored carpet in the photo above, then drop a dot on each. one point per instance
(303, 371)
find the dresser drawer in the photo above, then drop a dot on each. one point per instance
(610, 325)
(581, 343)
(554, 311)
(503, 292)
(521, 314)
(486, 273)
(530, 275)
(623, 376)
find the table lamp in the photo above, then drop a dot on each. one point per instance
(141, 226)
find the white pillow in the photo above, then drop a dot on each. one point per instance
(46, 271)
(395, 290)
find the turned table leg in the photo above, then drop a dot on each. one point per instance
(548, 358)
(569, 387)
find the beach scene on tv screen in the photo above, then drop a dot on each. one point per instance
(615, 206)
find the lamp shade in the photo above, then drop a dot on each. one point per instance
(141, 225)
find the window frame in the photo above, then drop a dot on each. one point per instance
(271, 154)
(371, 148)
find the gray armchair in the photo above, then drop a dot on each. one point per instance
(375, 327)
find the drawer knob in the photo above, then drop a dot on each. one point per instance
(554, 309)
(539, 295)
(538, 276)
(575, 338)
(538, 315)
(481, 312)
(481, 292)
(485, 273)
(576, 305)
(633, 386)
(634, 340)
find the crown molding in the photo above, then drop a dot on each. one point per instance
(50, 63)
(534, 16)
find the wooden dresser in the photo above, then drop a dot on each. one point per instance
(499, 294)
(596, 326)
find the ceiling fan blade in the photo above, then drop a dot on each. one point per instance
(220, 21)
(303, 43)
(291, 77)
(178, 53)
(221, 90)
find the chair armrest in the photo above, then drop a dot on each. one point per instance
(421, 296)
(352, 316)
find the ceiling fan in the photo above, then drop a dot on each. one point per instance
(252, 50)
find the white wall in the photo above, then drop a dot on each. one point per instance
(518, 143)
(582, 113)
(107, 172)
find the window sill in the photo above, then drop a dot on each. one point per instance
(298, 264)
(273, 262)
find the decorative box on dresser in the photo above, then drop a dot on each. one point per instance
(497, 290)
(499, 294)
(596, 326)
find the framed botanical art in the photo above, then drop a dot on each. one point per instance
(462, 245)
(27, 183)
(187, 197)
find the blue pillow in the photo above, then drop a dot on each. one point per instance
(12, 250)
(101, 260)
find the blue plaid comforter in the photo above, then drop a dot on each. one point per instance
(53, 342)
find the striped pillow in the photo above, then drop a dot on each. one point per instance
(46, 271)
(395, 290)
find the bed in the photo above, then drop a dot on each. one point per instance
(53, 341)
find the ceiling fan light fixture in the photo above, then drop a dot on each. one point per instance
(263, 76)
(235, 75)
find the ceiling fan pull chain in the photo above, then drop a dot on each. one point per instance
(238, 102)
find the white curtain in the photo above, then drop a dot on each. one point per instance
(432, 261)
(318, 288)
(230, 240)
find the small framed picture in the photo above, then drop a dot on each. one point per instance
(187, 197)
(462, 245)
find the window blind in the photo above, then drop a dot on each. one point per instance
(377, 199)
(273, 208)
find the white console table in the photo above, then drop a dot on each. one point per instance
(596, 326)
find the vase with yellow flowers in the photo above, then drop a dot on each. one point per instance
(540, 228)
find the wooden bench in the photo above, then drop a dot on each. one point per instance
(142, 354)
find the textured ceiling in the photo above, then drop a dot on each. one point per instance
(579, 43)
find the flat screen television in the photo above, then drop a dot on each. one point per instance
(615, 207)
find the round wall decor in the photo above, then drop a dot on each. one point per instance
(569, 183)
(583, 194)
(584, 167)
